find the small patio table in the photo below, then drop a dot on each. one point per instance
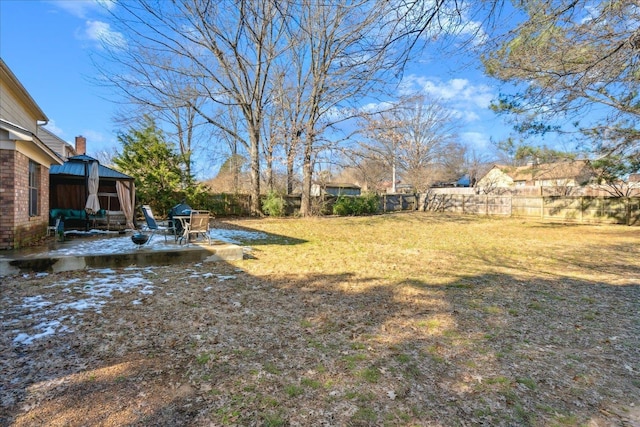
(184, 220)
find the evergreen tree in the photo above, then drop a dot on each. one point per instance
(576, 62)
(154, 164)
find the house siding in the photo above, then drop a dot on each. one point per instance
(58, 145)
(496, 178)
(560, 174)
(15, 112)
(18, 109)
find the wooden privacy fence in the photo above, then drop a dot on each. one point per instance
(398, 202)
(585, 209)
(625, 210)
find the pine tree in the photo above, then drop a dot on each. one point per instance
(154, 163)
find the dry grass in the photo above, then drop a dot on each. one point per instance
(407, 319)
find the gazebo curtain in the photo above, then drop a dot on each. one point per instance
(125, 195)
(93, 204)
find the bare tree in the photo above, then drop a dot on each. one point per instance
(347, 50)
(312, 60)
(224, 49)
(163, 94)
(613, 174)
(477, 165)
(233, 151)
(418, 138)
(369, 174)
(384, 139)
(334, 66)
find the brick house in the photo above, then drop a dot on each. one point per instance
(25, 161)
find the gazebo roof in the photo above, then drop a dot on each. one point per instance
(75, 166)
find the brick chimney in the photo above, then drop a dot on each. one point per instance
(81, 145)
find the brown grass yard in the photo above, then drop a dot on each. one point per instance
(403, 319)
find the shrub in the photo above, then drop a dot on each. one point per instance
(342, 206)
(371, 202)
(356, 205)
(273, 204)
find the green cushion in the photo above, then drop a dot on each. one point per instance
(68, 213)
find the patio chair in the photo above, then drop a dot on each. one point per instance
(53, 229)
(152, 223)
(198, 224)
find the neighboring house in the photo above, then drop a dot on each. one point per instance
(497, 177)
(24, 165)
(335, 189)
(58, 145)
(404, 188)
(463, 181)
(561, 174)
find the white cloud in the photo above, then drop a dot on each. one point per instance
(474, 30)
(82, 8)
(94, 137)
(374, 107)
(466, 115)
(101, 32)
(51, 127)
(456, 91)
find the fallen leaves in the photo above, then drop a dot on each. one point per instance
(212, 344)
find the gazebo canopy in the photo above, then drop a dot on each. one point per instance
(69, 187)
(75, 166)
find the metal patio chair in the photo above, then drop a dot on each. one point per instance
(152, 224)
(198, 224)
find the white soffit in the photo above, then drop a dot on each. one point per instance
(16, 133)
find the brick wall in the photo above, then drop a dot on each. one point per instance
(17, 229)
(7, 196)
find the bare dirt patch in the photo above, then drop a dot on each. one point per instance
(391, 320)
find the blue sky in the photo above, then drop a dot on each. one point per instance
(48, 46)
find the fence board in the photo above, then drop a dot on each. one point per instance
(526, 206)
(585, 209)
(563, 208)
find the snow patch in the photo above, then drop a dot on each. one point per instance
(93, 293)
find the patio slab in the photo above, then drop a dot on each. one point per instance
(111, 252)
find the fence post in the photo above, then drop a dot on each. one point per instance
(581, 209)
(510, 205)
(542, 206)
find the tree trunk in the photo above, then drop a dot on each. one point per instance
(254, 207)
(290, 162)
(307, 173)
(269, 172)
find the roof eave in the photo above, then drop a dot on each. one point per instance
(15, 85)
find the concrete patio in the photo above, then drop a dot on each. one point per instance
(116, 250)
